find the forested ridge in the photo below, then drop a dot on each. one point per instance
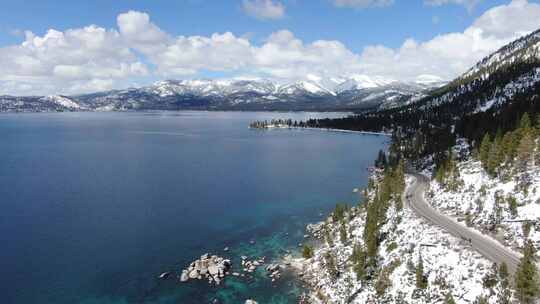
(430, 126)
(491, 97)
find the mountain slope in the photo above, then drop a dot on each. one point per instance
(491, 96)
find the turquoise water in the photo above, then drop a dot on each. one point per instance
(96, 205)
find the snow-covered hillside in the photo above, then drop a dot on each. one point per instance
(450, 266)
(496, 79)
(62, 101)
(521, 49)
(493, 205)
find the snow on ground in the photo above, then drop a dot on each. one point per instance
(450, 265)
(478, 197)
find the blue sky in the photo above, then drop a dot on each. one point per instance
(309, 20)
(370, 34)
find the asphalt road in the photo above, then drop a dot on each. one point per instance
(486, 246)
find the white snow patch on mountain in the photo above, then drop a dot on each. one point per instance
(62, 101)
(359, 82)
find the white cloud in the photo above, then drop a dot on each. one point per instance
(515, 19)
(469, 4)
(93, 58)
(137, 30)
(363, 3)
(285, 56)
(189, 55)
(450, 54)
(264, 9)
(58, 60)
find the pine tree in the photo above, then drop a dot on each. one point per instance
(496, 213)
(383, 282)
(381, 162)
(453, 171)
(526, 279)
(516, 138)
(328, 236)
(525, 152)
(495, 157)
(421, 281)
(371, 233)
(525, 124)
(400, 178)
(440, 175)
(512, 206)
(491, 279)
(507, 147)
(526, 228)
(449, 299)
(537, 152)
(480, 300)
(339, 213)
(307, 251)
(485, 146)
(343, 233)
(358, 258)
(504, 294)
(331, 266)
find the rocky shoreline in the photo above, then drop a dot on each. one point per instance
(215, 269)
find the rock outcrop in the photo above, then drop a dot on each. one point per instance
(211, 268)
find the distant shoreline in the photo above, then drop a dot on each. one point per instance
(324, 129)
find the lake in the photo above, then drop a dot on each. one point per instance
(94, 206)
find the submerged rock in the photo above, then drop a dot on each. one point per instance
(165, 275)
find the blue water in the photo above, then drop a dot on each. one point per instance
(93, 206)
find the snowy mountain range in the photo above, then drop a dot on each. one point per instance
(313, 93)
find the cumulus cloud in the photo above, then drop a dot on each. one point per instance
(93, 58)
(363, 3)
(264, 9)
(189, 55)
(137, 30)
(469, 4)
(60, 59)
(450, 54)
(283, 55)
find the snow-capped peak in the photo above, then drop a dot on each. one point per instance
(303, 86)
(361, 81)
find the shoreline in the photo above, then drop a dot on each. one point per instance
(325, 129)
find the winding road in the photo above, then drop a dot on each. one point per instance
(488, 247)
